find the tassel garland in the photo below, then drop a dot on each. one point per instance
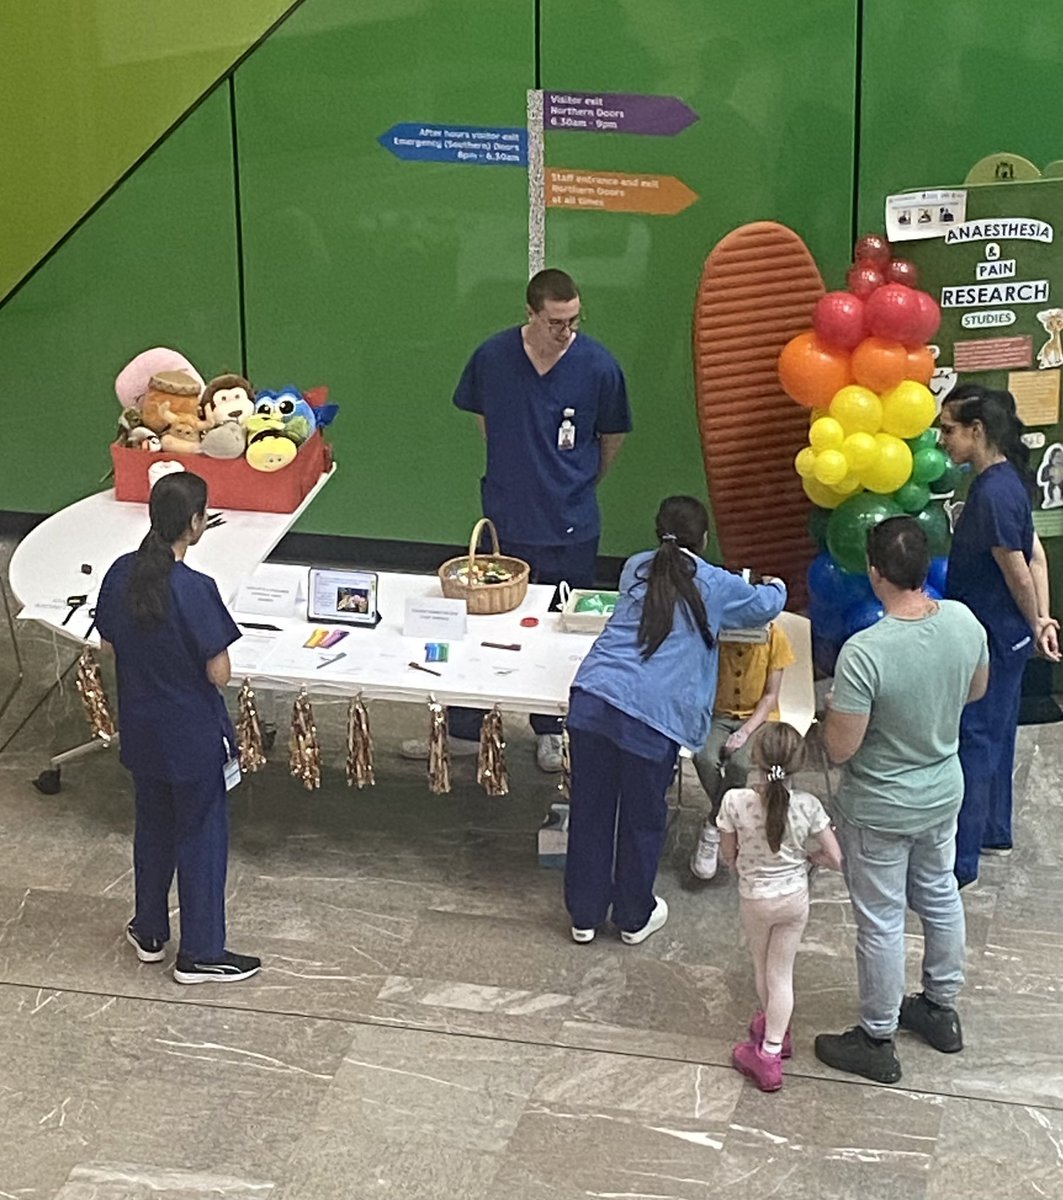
(565, 785)
(304, 757)
(359, 746)
(491, 771)
(249, 732)
(438, 749)
(90, 688)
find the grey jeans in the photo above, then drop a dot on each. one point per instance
(887, 873)
(718, 771)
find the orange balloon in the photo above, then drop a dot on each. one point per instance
(879, 364)
(811, 372)
(920, 364)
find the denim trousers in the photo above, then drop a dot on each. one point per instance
(887, 873)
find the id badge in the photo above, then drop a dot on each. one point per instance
(231, 772)
(566, 432)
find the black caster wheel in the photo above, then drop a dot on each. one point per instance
(269, 737)
(48, 782)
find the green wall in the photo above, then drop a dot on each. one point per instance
(86, 87)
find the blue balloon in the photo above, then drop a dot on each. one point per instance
(863, 615)
(827, 623)
(831, 586)
(824, 653)
(937, 577)
(932, 592)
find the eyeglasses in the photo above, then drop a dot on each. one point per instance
(559, 326)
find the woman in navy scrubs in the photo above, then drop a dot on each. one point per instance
(997, 567)
(645, 689)
(170, 632)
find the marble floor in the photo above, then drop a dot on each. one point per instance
(424, 1028)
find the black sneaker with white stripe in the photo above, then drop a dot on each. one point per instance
(231, 968)
(148, 950)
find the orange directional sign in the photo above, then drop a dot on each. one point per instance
(616, 191)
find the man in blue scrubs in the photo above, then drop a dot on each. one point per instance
(553, 409)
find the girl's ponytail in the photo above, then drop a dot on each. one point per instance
(779, 751)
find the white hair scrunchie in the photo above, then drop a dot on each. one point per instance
(775, 772)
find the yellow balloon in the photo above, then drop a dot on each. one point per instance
(819, 493)
(850, 484)
(831, 467)
(816, 413)
(891, 468)
(860, 450)
(805, 462)
(858, 409)
(826, 434)
(908, 409)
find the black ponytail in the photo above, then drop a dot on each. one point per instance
(971, 402)
(175, 500)
(682, 524)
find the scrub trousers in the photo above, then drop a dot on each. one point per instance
(987, 755)
(616, 829)
(575, 564)
(182, 827)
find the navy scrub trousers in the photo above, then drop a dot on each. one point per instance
(182, 827)
(616, 830)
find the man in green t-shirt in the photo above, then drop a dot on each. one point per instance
(893, 718)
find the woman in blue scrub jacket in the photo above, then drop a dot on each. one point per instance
(170, 632)
(645, 689)
(997, 567)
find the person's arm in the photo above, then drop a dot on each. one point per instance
(1018, 575)
(747, 605)
(1048, 637)
(827, 852)
(843, 733)
(219, 669)
(728, 847)
(979, 684)
(482, 422)
(609, 447)
(766, 705)
(106, 646)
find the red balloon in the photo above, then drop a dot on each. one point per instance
(838, 319)
(903, 270)
(872, 248)
(863, 279)
(929, 316)
(893, 312)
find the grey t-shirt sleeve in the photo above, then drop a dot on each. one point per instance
(855, 679)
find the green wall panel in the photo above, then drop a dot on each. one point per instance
(155, 265)
(86, 87)
(375, 276)
(945, 84)
(774, 87)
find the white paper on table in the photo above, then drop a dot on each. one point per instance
(248, 652)
(268, 596)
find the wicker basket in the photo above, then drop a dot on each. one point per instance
(484, 599)
(582, 622)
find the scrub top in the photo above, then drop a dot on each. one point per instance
(997, 513)
(173, 720)
(535, 491)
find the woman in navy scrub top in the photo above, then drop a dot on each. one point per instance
(646, 688)
(997, 567)
(170, 632)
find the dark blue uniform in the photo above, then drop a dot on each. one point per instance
(997, 513)
(175, 737)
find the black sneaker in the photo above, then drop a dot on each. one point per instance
(231, 968)
(936, 1024)
(854, 1051)
(148, 949)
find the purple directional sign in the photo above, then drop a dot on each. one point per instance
(616, 112)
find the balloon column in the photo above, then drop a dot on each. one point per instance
(863, 370)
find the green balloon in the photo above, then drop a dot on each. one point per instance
(817, 525)
(936, 527)
(928, 464)
(848, 527)
(948, 481)
(912, 496)
(927, 440)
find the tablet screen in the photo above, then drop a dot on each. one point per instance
(347, 597)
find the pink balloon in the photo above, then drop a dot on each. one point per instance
(929, 316)
(863, 278)
(894, 312)
(903, 270)
(839, 320)
(872, 248)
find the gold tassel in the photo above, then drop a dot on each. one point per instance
(94, 697)
(304, 757)
(359, 745)
(438, 749)
(249, 732)
(491, 771)
(565, 785)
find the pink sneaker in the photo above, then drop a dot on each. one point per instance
(764, 1069)
(756, 1033)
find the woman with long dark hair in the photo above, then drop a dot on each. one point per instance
(997, 567)
(645, 689)
(170, 633)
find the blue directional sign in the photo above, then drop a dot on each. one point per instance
(479, 145)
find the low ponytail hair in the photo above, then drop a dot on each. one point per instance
(682, 523)
(779, 751)
(175, 500)
(971, 402)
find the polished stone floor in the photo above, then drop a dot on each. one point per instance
(423, 1027)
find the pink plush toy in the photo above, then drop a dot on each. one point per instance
(134, 377)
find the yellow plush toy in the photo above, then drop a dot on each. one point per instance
(269, 450)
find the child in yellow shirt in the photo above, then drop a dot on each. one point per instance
(747, 695)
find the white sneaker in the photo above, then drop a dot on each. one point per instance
(548, 753)
(706, 857)
(582, 935)
(417, 748)
(657, 919)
